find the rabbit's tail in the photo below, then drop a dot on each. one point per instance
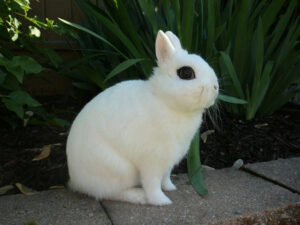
(133, 195)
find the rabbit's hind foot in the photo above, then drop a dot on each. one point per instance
(132, 195)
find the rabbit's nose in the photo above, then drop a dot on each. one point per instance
(216, 87)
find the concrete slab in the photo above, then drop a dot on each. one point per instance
(282, 171)
(54, 207)
(232, 193)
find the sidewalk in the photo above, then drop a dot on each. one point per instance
(232, 194)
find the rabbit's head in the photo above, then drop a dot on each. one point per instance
(183, 81)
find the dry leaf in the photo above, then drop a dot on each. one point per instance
(30, 223)
(25, 190)
(56, 144)
(33, 149)
(5, 189)
(44, 154)
(205, 134)
(261, 125)
(57, 187)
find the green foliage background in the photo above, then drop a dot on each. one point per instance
(17, 106)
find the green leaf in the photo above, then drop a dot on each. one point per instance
(241, 35)
(28, 64)
(269, 16)
(79, 27)
(34, 32)
(147, 6)
(63, 28)
(211, 24)
(15, 69)
(176, 7)
(19, 65)
(50, 54)
(81, 60)
(23, 98)
(230, 99)
(114, 28)
(232, 73)
(259, 48)
(121, 67)
(280, 101)
(84, 86)
(58, 122)
(25, 4)
(194, 167)
(259, 89)
(10, 121)
(14, 107)
(278, 31)
(95, 76)
(187, 23)
(11, 83)
(2, 76)
(30, 223)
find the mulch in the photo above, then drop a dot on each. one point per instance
(288, 215)
(230, 138)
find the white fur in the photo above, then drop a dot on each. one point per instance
(133, 133)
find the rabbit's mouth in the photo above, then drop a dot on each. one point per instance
(208, 96)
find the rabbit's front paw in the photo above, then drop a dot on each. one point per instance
(168, 185)
(159, 198)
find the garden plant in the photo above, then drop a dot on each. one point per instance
(252, 45)
(20, 44)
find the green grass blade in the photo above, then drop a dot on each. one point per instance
(231, 71)
(258, 10)
(280, 28)
(242, 34)
(219, 30)
(148, 9)
(86, 30)
(194, 167)
(121, 67)
(187, 23)
(94, 76)
(127, 26)
(259, 90)
(211, 27)
(114, 28)
(176, 7)
(79, 61)
(269, 16)
(259, 48)
(280, 101)
(84, 86)
(230, 99)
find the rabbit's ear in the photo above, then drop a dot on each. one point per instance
(174, 39)
(163, 47)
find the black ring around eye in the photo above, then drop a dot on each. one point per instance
(186, 73)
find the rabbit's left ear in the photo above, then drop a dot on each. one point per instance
(164, 48)
(174, 39)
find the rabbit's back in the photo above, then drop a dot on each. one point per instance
(131, 118)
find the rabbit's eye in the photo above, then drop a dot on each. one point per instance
(186, 73)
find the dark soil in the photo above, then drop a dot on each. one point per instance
(258, 140)
(288, 215)
(263, 139)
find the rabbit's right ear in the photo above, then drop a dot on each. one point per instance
(164, 48)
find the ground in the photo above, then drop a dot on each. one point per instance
(263, 139)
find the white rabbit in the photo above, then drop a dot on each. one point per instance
(124, 143)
